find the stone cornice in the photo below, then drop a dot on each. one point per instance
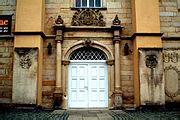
(30, 33)
(145, 34)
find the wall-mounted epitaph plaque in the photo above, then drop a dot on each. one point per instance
(5, 24)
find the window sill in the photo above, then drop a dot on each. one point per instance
(99, 8)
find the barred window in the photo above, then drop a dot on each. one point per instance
(88, 3)
(88, 53)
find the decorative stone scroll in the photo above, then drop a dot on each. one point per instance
(88, 17)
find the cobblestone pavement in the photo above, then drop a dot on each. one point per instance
(88, 115)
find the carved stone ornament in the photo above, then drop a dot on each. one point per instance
(24, 58)
(59, 20)
(167, 91)
(151, 61)
(170, 57)
(116, 21)
(89, 17)
(87, 43)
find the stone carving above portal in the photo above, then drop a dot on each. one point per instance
(88, 17)
(25, 60)
(151, 61)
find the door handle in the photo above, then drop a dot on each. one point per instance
(85, 87)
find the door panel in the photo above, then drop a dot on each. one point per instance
(88, 85)
(77, 81)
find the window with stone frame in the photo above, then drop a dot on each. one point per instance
(88, 3)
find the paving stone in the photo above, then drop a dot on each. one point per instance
(104, 116)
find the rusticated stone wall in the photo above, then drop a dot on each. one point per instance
(6, 65)
(49, 73)
(122, 8)
(169, 17)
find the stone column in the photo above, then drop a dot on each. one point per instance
(116, 40)
(58, 93)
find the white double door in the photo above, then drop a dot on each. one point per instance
(88, 85)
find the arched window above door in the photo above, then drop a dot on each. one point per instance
(88, 53)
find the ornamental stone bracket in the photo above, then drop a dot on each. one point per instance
(88, 17)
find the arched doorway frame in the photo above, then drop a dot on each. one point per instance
(110, 63)
(94, 44)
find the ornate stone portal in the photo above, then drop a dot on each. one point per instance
(88, 17)
(151, 77)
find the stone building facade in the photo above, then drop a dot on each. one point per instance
(114, 54)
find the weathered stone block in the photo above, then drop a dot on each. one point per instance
(151, 77)
(165, 24)
(25, 76)
(168, 29)
(171, 68)
(176, 24)
(166, 19)
(169, 3)
(168, 14)
(113, 5)
(171, 9)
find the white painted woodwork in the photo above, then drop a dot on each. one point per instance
(88, 84)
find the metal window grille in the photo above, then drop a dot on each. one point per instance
(88, 53)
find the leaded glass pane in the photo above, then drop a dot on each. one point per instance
(78, 3)
(88, 53)
(84, 3)
(98, 3)
(91, 3)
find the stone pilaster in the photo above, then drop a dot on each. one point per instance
(116, 40)
(58, 93)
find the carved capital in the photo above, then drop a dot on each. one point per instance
(110, 62)
(65, 62)
(58, 27)
(116, 41)
(59, 38)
